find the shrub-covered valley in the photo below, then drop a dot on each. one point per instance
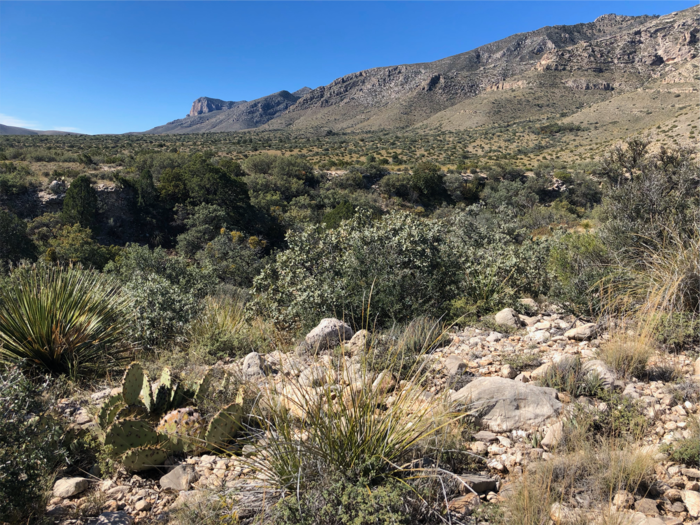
(350, 328)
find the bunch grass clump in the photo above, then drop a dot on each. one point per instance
(594, 471)
(63, 320)
(628, 354)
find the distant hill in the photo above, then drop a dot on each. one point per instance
(12, 130)
(554, 71)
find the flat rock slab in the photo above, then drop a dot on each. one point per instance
(486, 436)
(479, 484)
(112, 518)
(504, 404)
(692, 502)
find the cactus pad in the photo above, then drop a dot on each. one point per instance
(109, 410)
(128, 434)
(224, 425)
(147, 393)
(203, 385)
(143, 458)
(132, 383)
(184, 427)
(129, 412)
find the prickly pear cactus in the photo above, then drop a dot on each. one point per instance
(132, 383)
(128, 434)
(108, 410)
(143, 458)
(184, 427)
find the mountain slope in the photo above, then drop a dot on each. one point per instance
(553, 71)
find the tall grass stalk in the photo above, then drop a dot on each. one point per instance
(64, 320)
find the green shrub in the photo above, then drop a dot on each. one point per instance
(166, 292)
(499, 263)
(64, 320)
(80, 203)
(337, 501)
(235, 260)
(30, 449)
(398, 185)
(203, 225)
(75, 245)
(15, 179)
(390, 270)
(579, 263)
(342, 212)
(687, 450)
(426, 180)
(15, 244)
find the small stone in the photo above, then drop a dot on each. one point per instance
(540, 336)
(494, 337)
(486, 436)
(581, 333)
(114, 518)
(508, 372)
(553, 435)
(697, 367)
(68, 487)
(647, 507)
(691, 473)
(623, 500)
(253, 365)
(142, 505)
(464, 505)
(454, 365)
(179, 479)
(479, 447)
(508, 317)
(328, 334)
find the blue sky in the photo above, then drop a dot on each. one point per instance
(113, 67)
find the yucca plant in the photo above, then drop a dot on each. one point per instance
(64, 320)
(367, 431)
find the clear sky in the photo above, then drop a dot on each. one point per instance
(113, 67)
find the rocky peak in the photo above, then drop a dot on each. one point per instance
(207, 105)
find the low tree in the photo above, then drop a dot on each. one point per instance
(80, 204)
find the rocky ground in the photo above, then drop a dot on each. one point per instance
(521, 423)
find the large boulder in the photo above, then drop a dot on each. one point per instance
(69, 487)
(328, 334)
(508, 317)
(504, 405)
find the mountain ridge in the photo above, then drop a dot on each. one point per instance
(613, 53)
(14, 130)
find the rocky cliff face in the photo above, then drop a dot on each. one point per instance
(612, 53)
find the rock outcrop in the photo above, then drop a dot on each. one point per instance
(504, 404)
